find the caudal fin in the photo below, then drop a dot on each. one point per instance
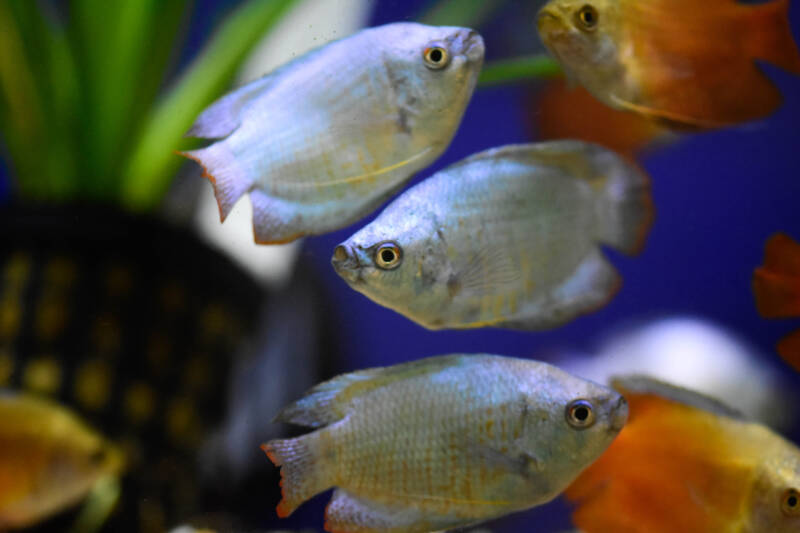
(302, 471)
(770, 38)
(229, 178)
(625, 208)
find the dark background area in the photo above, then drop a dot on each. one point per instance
(718, 197)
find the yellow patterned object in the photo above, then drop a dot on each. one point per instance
(442, 442)
(49, 459)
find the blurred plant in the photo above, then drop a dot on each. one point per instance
(83, 115)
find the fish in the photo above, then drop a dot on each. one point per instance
(686, 462)
(325, 139)
(684, 64)
(776, 285)
(509, 238)
(442, 442)
(50, 459)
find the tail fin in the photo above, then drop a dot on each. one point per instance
(220, 166)
(303, 474)
(771, 38)
(625, 207)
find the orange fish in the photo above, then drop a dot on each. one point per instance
(688, 64)
(686, 463)
(564, 113)
(776, 285)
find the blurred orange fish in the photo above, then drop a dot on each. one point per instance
(564, 113)
(685, 63)
(776, 285)
(686, 463)
(49, 459)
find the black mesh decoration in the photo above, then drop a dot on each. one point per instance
(133, 324)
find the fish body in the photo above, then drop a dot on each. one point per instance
(49, 459)
(442, 442)
(323, 140)
(776, 285)
(685, 462)
(509, 237)
(682, 63)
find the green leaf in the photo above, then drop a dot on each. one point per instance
(114, 42)
(519, 69)
(468, 13)
(153, 164)
(22, 105)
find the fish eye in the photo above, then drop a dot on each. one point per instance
(388, 256)
(436, 57)
(580, 414)
(587, 17)
(790, 502)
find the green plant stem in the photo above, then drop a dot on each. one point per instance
(519, 70)
(469, 13)
(152, 164)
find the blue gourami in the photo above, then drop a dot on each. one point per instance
(323, 140)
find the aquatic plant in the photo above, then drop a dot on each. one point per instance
(91, 107)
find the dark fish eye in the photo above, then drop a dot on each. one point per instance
(436, 57)
(790, 502)
(580, 414)
(388, 256)
(587, 17)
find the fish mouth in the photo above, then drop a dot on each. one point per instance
(474, 46)
(549, 24)
(345, 262)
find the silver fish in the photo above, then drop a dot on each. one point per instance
(442, 442)
(325, 139)
(509, 237)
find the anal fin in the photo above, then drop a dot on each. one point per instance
(275, 221)
(591, 286)
(347, 513)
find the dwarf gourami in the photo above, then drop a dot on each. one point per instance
(684, 462)
(509, 237)
(776, 285)
(323, 140)
(49, 459)
(442, 442)
(683, 63)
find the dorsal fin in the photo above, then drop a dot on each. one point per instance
(639, 384)
(328, 402)
(697, 61)
(222, 117)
